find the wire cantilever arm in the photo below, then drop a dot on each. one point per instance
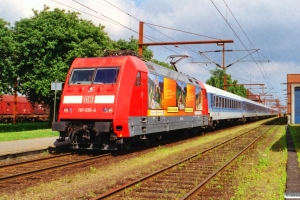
(241, 58)
(201, 53)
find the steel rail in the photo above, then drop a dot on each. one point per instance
(32, 161)
(42, 170)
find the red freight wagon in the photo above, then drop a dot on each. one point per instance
(25, 111)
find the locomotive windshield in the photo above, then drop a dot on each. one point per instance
(82, 76)
(96, 76)
(106, 75)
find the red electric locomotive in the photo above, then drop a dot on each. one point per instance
(108, 102)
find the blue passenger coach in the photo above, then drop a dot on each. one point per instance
(225, 107)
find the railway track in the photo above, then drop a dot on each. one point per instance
(186, 178)
(11, 172)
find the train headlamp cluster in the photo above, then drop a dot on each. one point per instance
(68, 110)
(107, 110)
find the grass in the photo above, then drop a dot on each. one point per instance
(262, 173)
(23, 127)
(10, 132)
(295, 132)
(10, 136)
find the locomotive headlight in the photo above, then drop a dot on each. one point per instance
(107, 110)
(67, 110)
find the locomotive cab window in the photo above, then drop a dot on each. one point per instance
(82, 76)
(106, 75)
(138, 79)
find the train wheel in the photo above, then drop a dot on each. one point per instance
(149, 140)
(159, 136)
(186, 133)
(127, 142)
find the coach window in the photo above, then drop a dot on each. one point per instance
(223, 102)
(138, 79)
(215, 101)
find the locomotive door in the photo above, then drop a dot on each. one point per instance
(140, 95)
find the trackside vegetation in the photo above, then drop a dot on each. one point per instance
(295, 132)
(23, 127)
(9, 132)
(262, 172)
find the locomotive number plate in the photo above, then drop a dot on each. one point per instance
(88, 99)
(86, 109)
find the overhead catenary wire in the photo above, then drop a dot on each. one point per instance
(152, 39)
(148, 37)
(82, 11)
(244, 34)
(110, 20)
(150, 26)
(240, 40)
(266, 77)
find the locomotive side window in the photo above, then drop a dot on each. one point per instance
(138, 79)
(82, 76)
(106, 75)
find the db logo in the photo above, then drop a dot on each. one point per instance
(91, 89)
(88, 99)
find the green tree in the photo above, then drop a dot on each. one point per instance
(217, 80)
(132, 45)
(164, 64)
(7, 56)
(48, 42)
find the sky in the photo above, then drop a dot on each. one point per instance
(266, 34)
